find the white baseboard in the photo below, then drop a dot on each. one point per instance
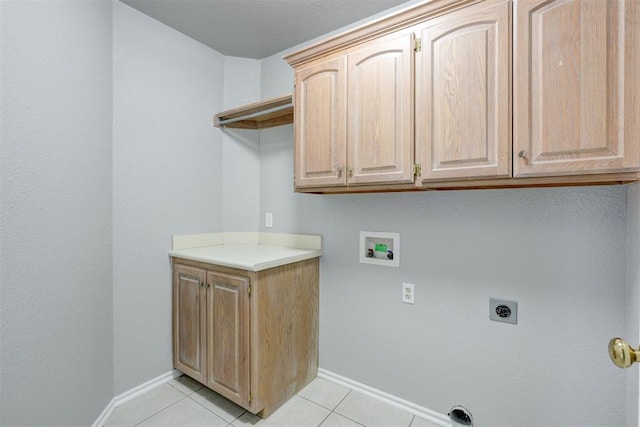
(419, 411)
(133, 393)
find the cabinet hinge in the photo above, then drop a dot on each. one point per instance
(417, 45)
(249, 290)
(250, 397)
(417, 169)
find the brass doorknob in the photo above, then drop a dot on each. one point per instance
(621, 353)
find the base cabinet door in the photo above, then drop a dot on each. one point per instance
(576, 87)
(189, 328)
(228, 336)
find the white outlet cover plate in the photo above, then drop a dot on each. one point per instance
(408, 293)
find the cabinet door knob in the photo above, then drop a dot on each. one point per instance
(339, 170)
(522, 154)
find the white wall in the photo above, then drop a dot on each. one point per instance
(559, 252)
(56, 310)
(240, 149)
(90, 315)
(167, 178)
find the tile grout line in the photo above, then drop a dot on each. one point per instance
(325, 418)
(342, 400)
(200, 404)
(153, 415)
(177, 380)
(332, 411)
(314, 402)
(352, 420)
(325, 407)
(218, 415)
(342, 415)
(317, 404)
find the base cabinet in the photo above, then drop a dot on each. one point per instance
(250, 336)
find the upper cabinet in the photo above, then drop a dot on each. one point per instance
(576, 87)
(320, 124)
(354, 117)
(470, 94)
(380, 112)
(463, 99)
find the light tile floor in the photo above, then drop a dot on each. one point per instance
(185, 402)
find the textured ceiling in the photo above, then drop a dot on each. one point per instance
(258, 28)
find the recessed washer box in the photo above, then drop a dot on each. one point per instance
(381, 248)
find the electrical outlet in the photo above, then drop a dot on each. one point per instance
(408, 293)
(268, 220)
(503, 311)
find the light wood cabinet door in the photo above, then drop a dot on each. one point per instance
(189, 328)
(228, 336)
(576, 87)
(463, 96)
(380, 112)
(320, 124)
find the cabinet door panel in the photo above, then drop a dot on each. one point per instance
(380, 125)
(320, 124)
(575, 87)
(189, 336)
(463, 95)
(228, 344)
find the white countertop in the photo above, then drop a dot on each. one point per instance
(247, 251)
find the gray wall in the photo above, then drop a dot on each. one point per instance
(240, 149)
(166, 178)
(56, 310)
(87, 210)
(633, 297)
(560, 252)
